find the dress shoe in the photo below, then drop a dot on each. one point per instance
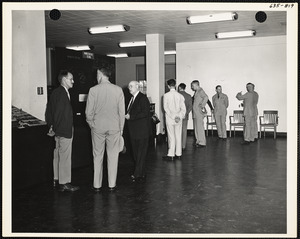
(200, 146)
(112, 189)
(168, 158)
(67, 188)
(55, 183)
(133, 178)
(177, 157)
(183, 149)
(224, 139)
(96, 190)
(245, 142)
(141, 179)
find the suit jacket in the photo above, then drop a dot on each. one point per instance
(139, 124)
(59, 113)
(105, 107)
(220, 104)
(174, 106)
(188, 101)
(250, 103)
(200, 100)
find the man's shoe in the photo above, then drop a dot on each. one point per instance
(224, 139)
(141, 179)
(200, 146)
(67, 188)
(133, 178)
(113, 189)
(168, 158)
(96, 190)
(55, 183)
(245, 142)
(177, 157)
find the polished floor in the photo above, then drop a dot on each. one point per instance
(223, 188)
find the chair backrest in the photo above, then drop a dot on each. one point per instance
(270, 116)
(238, 116)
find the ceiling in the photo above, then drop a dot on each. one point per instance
(71, 28)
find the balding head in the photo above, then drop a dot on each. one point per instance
(133, 87)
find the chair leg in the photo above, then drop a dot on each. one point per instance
(274, 132)
(260, 132)
(230, 131)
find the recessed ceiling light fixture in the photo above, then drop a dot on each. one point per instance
(120, 55)
(79, 48)
(249, 33)
(132, 44)
(170, 52)
(227, 16)
(108, 29)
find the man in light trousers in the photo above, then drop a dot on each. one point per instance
(105, 114)
(175, 111)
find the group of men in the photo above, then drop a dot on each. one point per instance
(106, 115)
(178, 105)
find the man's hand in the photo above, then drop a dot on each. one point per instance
(127, 116)
(177, 119)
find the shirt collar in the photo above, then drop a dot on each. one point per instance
(134, 96)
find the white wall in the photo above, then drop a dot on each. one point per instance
(29, 62)
(234, 63)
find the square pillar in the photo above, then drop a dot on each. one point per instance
(155, 73)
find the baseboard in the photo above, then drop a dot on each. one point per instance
(239, 133)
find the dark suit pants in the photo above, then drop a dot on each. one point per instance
(139, 151)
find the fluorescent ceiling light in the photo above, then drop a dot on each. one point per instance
(118, 55)
(170, 52)
(228, 16)
(249, 33)
(107, 29)
(79, 48)
(132, 44)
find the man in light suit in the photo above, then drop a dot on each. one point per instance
(250, 100)
(220, 103)
(175, 111)
(138, 121)
(105, 114)
(59, 116)
(199, 112)
(188, 101)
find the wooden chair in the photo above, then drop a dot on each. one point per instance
(269, 120)
(210, 122)
(236, 121)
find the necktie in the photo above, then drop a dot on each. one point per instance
(130, 105)
(218, 96)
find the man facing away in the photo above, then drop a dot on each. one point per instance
(105, 114)
(200, 100)
(175, 110)
(59, 116)
(138, 120)
(220, 103)
(188, 101)
(250, 100)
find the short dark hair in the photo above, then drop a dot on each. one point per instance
(171, 82)
(218, 86)
(105, 71)
(182, 86)
(195, 81)
(62, 74)
(251, 84)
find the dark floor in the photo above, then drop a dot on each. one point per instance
(223, 188)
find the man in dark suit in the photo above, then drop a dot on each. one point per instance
(59, 116)
(138, 119)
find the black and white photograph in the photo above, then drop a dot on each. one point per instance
(150, 119)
